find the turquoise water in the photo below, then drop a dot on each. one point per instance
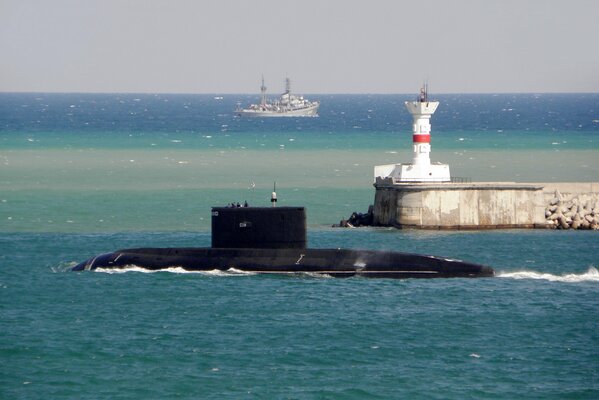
(85, 174)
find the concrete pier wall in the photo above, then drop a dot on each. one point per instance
(483, 205)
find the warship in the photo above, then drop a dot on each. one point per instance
(288, 105)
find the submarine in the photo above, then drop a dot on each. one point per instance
(273, 240)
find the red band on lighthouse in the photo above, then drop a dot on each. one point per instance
(421, 138)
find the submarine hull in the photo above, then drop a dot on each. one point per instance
(332, 262)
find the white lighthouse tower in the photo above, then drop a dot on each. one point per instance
(421, 169)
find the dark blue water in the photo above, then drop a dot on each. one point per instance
(84, 174)
(95, 119)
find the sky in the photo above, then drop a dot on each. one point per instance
(323, 46)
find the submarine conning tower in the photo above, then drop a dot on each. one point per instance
(259, 227)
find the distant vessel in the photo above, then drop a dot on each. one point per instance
(288, 105)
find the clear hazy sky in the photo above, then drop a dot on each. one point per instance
(324, 46)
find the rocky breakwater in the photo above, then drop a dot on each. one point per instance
(578, 212)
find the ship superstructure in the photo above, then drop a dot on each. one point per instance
(287, 105)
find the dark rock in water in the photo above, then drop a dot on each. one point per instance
(358, 219)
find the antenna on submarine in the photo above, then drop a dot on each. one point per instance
(273, 196)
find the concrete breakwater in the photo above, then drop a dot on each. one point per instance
(486, 205)
(576, 208)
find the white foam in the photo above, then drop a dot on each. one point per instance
(318, 275)
(214, 272)
(229, 272)
(592, 275)
(64, 266)
(173, 270)
(235, 271)
(131, 268)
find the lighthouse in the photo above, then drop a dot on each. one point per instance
(421, 169)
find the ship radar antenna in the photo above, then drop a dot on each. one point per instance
(287, 85)
(273, 197)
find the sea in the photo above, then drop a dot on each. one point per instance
(84, 174)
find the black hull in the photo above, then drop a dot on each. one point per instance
(332, 262)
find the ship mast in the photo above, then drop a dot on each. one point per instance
(263, 91)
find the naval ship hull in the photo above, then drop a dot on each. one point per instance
(311, 111)
(331, 262)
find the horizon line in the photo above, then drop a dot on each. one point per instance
(305, 93)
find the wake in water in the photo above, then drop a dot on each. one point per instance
(592, 275)
(64, 266)
(174, 270)
(214, 272)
